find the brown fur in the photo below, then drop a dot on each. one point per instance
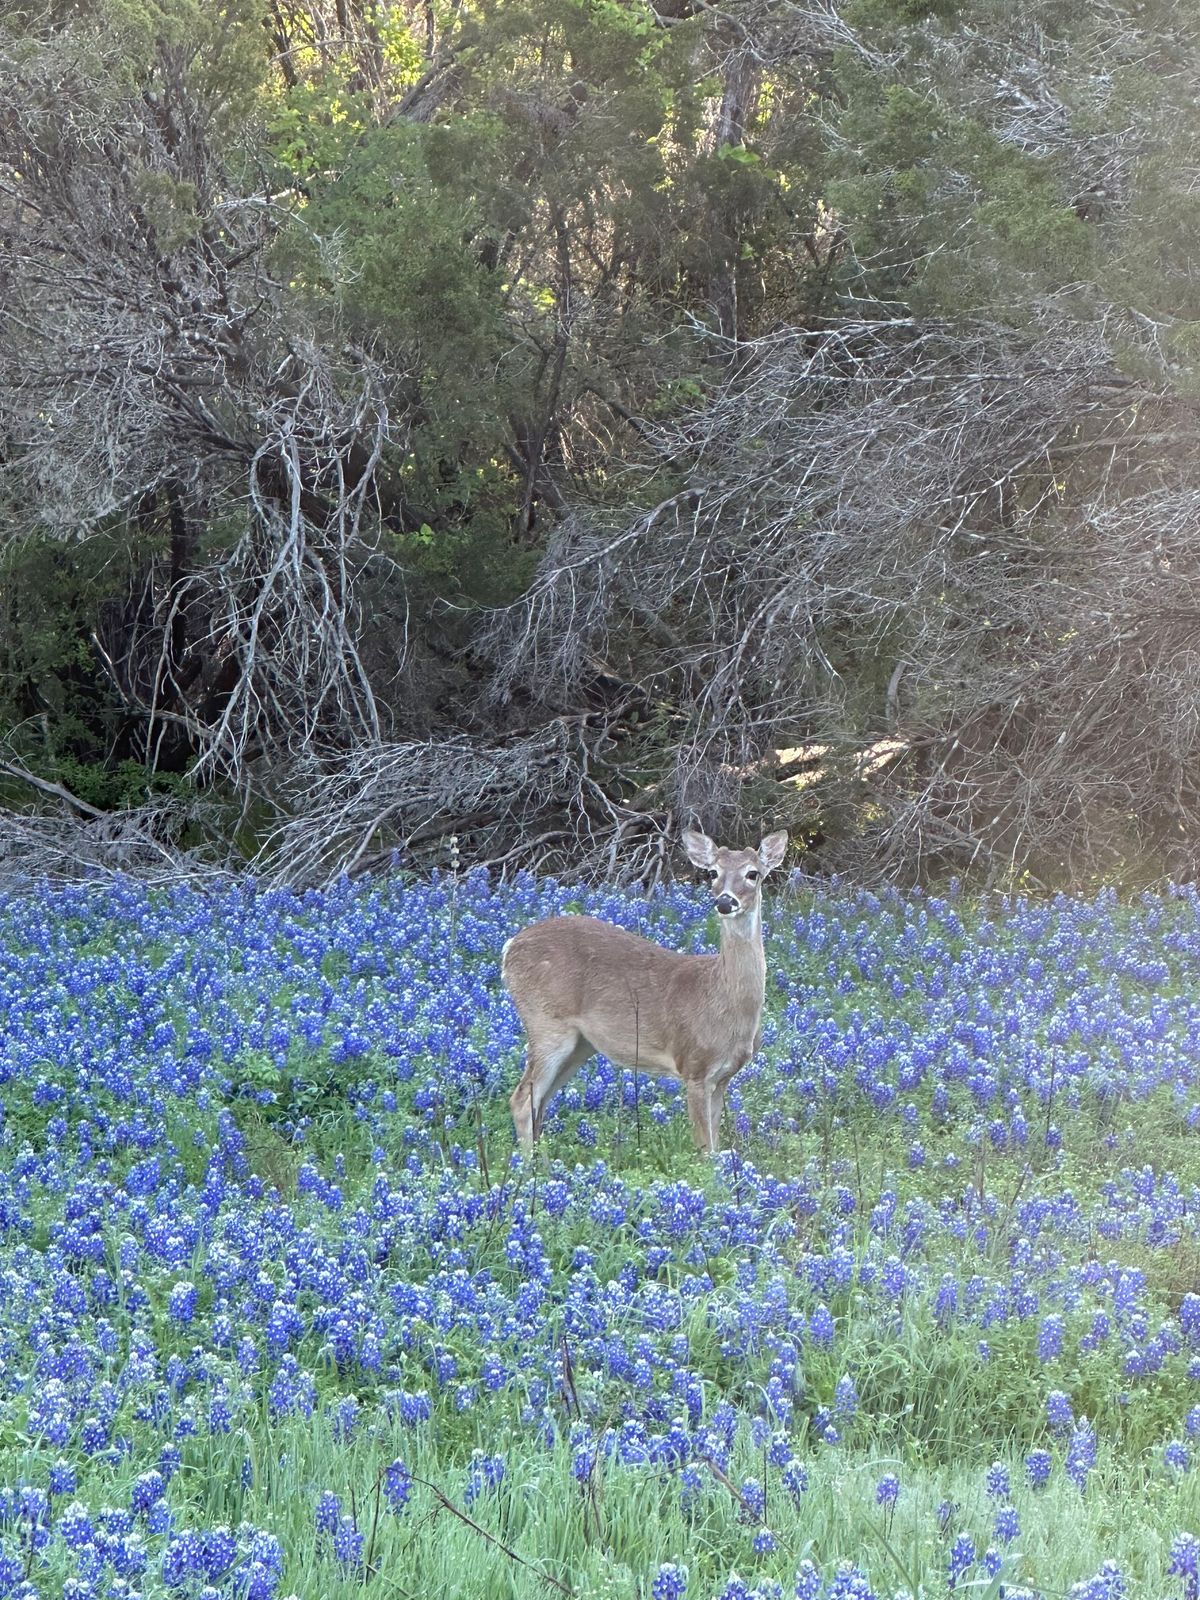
(581, 986)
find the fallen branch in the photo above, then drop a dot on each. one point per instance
(45, 786)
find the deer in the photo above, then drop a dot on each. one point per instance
(582, 987)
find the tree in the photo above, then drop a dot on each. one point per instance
(160, 386)
(542, 422)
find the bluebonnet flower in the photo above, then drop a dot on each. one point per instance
(146, 1490)
(1185, 1563)
(220, 1549)
(1050, 1337)
(345, 1418)
(821, 1326)
(1108, 1584)
(1037, 1468)
(158, 1518)
(486, 1472)
(848, 1583)
(93, 1437)
(960, 1560)
(348, 1544)
(75, 1526)
(184, 1559)
(887, 1490)
(291, 1390)
(808, 1582)
(328, 1512)
(893, 1278)
(845, 1397)
(1081, 1454)
(181, 1306)
(670, 1582)
(1058, 1410)
(397, 1485)
(998, 1485)
(414, 1408)
(753, 1500)
(1007, 1526)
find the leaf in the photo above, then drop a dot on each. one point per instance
(740, 155)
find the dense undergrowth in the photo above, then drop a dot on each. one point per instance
(282, 1313)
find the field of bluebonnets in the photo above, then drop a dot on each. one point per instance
(282, 1313)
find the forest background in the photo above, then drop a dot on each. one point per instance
(530, 425)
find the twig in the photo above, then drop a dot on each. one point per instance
(448, 1505)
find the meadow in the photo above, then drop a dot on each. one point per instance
(283, 1313)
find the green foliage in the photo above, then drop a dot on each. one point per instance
(54, 706)
(218, 48)
(288, 1097)
(887, 14)
(114, 786)
(171, 208)
(314, 128)
(962, 218)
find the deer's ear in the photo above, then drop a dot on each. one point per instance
(701, 851)
(771, 850)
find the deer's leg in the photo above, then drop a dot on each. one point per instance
(565, 1072)
(521, 1104)
(549, 1062)
(716, 1107)
(697, 1104)
(718, 1084)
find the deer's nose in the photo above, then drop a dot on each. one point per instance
(726, 904)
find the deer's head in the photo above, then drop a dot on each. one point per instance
(735, 875)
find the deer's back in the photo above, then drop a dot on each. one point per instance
(571, 955)
(602, 979)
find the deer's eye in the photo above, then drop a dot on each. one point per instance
(713, 873)
(752, 876)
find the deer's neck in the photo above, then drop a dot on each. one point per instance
(741, 965)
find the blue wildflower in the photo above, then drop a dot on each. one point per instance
(960, 1560)
(670, 1582)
